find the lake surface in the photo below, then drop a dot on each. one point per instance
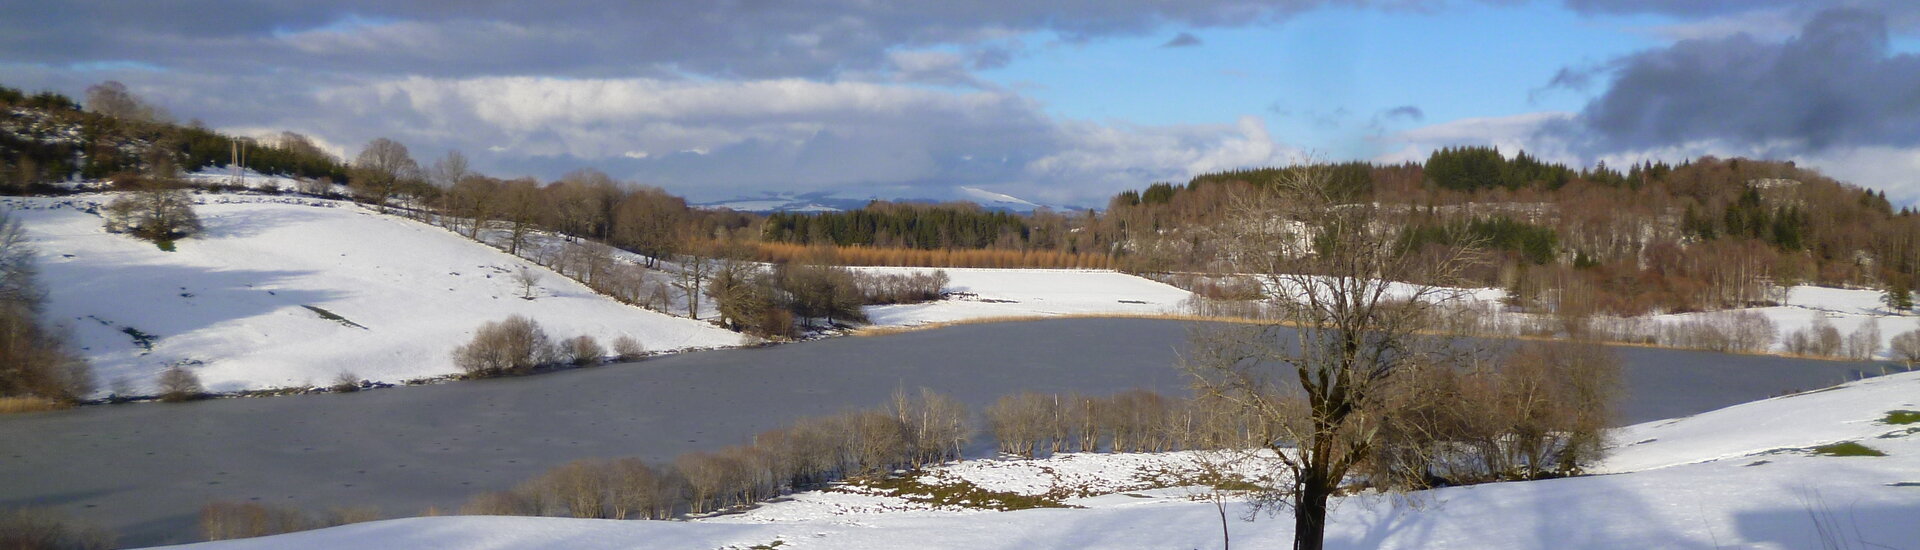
(144, 470)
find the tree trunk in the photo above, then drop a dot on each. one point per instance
(1310, 512)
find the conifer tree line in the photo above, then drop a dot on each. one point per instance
(1700, 235)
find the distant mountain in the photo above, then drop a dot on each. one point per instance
(825, 201)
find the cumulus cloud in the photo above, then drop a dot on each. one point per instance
(1833, 96)
(719, 139)
(1835, 84)
(586, 38)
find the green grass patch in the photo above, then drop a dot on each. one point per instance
(331, 316)
(1847, 448)
(1902, 417)
(958, 493)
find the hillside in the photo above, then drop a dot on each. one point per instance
(283, 291)
(1749, 476)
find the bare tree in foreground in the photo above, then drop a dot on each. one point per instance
(1352, 304)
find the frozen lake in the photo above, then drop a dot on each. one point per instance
(144, 470)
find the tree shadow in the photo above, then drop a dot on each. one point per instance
(1551, 513)
(120, 310)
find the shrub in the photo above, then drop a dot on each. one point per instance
(584, 350)
(346, 382)
(155, 214)
(628, 347)
(904, 288)
(1906, 347)
(821, 291)
(511, 346)
(238, 520)
(45, 529)
(178, 384)
(500, 503)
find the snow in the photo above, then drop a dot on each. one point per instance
(232, 303)
(1846, 309)
(1848, 413)
(214, 175)
(990, 198)
(994, 293)
(1741, 477)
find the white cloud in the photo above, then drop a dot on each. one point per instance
(735, 137)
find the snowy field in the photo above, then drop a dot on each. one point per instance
(991, 293)
(285, 292)
(1743, 477)
(1848, 310)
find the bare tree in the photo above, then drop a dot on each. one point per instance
(936, 425)
(450, 169)
(1906, 347)
(382, 168)
(513, 345)
(155, 212)
(1355, 302)
(1864, 342)
(526, 278)
(111, 98)
(584, 350)
(628, 347)
(179, 384)
(1019, 422)
(696, 265)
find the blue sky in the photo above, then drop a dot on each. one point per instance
(1325, 79)
(1064, 103)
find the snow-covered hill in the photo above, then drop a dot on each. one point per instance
(998, 293)
(1747, 476)
(281, 291)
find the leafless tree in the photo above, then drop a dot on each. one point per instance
(518, 203)
(37, 528)
(111, 98)
(346, 382)
(578, 488)
(450, 169)
(634, 489)
(1019, 422)
(628, 347)
(696, 265)
(526, 278)
(1355, 303)
(381, 169)
(584, 350)
(706, 478)
(1906, 347)
(1864, 342)
(879, 442)
(936, 425)
(179, 384)
(153, 212)
(513, 345)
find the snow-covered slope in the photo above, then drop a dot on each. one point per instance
(989, 293)
(1847, 310)
(1742, 477)
(245, 303)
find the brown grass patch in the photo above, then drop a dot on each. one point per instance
(10, 405)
